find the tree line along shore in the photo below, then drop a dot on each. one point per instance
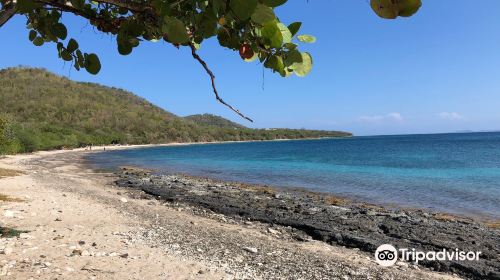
(42, 111)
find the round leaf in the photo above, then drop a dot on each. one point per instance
(263, 14)
(175, 30)
(38, 41)
(124, 48)
(72, 45)
(293, 57)
(407, 8)
(274, 3)
(306, 38)
(303, 68)
(66, 55)
(59, 30)
(243, 9)
(272, 34)
(385, 8)
(92, 64)
(32, 35)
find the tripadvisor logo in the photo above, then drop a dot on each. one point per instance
(387, 255)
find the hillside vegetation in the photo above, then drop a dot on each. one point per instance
(40, 111)
(213, 120)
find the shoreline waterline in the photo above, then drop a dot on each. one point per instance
(440, 174)
(340, 200)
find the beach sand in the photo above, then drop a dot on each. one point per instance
(79, 225)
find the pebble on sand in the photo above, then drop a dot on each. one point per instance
(251, 249)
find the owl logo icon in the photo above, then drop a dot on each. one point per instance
(386, 255)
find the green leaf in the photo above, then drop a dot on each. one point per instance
(59, 30)
(66, 55)
(243, 9)
(263, 14)
(272, 34)
(38, 41)
(228, 40)
(217, 5)
(387, 9)
(409, 7)
(290, 46)
(92, 64)
(32, 35)
(294, 27)
(293, 57)
(124, 47)
(274, 3)
(134, 42)
(303, 68)
(175, 30)
(133, 29)
(275, 62)
(161, 7)
(287, 35)
(306, 38)
(72, 45)
(207, 24)
(25, 6)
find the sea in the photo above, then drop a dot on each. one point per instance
(457, 173)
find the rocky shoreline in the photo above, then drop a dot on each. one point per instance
(308, 215)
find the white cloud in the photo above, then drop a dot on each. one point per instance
(380, 118)
(452, 116)
(395, 116)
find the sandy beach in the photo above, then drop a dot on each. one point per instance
(78, 224)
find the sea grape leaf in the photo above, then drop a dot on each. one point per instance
(92, 64)
(243, 9)
(263, 14)
(306, 38)
(272, 34)
(294, 27)
(72, 45)
(175, 30)
(274, 3)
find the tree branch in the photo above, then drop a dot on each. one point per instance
(132, 6)
(212, 78)
(6, 13)
(135, 6)
(112, 25)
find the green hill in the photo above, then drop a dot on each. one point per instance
(213, 120)
(40, 111)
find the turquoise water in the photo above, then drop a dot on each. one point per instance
(457, 173)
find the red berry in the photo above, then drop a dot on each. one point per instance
(246, 51)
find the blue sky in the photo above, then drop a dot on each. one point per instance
(438, 71)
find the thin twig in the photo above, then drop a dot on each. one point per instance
(212, 78)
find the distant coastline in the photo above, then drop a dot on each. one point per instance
(52, 112)
(139, 146)
(368, 169)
